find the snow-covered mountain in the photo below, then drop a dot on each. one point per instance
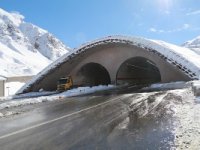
(25, 49)
(193, 44)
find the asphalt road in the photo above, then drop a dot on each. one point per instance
(89, 122)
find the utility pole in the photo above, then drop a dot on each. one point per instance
(8, 88)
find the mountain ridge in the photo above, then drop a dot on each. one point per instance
(25, 49)
(193, 44)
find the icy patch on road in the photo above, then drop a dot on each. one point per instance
(171, 85)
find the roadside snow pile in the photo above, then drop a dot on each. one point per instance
(187, 125)
(25, 99)
(27, 95)
(174, 113)
(15, 103)
(86, 90)
(182, 58)
(33, 94)
(165, 86)
(157, 104)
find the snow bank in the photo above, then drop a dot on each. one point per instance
(25, 99)
(28, 95)
(173, 112)
(86, 90)
(172, 85)
(183, 58)
(33, 94)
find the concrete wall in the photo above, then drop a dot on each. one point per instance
(19, 79)
(110, 56)
(2, 85)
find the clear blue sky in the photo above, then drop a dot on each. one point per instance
(77, 21)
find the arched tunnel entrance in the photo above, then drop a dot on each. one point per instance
(93, 74)
(138, 70)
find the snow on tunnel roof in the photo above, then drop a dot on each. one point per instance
(185, 59)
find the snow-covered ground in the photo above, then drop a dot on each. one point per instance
(25, 49)
(12, 87)
(42, 96)
(187, 125)
(176, 113)
(171, 85)
(37, 97)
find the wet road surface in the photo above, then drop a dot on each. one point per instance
(89, 122)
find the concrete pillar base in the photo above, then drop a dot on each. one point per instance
(196, 87)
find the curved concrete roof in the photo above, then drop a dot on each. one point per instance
(184, 59)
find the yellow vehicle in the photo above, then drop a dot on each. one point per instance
(64, 83)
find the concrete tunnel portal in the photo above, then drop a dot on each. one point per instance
(112, 60)
(93, 74)
(138, 70)
(134, 71)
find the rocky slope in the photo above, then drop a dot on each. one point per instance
(25, 49)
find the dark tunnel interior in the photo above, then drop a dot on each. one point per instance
(138, 70)
(94, 74)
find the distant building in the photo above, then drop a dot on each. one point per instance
(4, 80)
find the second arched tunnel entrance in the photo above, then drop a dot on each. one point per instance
(138, 70)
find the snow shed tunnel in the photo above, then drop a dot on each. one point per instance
(112, 60)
